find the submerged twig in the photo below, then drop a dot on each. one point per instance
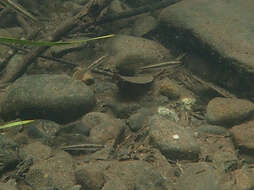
(12, 74)
(88, 19)
(81, 71)
(168, 63)
(218, 89)
(17, 7)
(96, 63)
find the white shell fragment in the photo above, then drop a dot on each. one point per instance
(176, 137)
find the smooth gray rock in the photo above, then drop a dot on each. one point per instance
(36, 151)
(243, 136)
(174, 141)
(144, 24)
(221, 31)
(222, 24)
(198, 176)
(9, 157)
(151, 180)
(138, 175)
(214, 130)
(226, 161)
(137, 121)
(228, 111)
(43, 130)
(128, 53)
(243, 178)
(103, 127)
(90, 177)
(54, 171)
(53, 97)
(5, 186)
(115, 184)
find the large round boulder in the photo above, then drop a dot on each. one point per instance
(53, 97)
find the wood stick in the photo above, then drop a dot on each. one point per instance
(12, 72)
(86, 15)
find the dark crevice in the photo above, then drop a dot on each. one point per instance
(225, 72)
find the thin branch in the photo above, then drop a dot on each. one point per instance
(15, 71)
(87, 17)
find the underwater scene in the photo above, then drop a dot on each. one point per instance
(126, 95)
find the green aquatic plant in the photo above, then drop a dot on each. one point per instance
(16, 123)
(48, 43)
